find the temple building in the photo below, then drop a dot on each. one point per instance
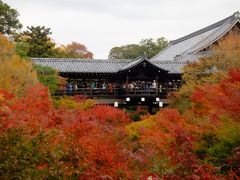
(139, 81)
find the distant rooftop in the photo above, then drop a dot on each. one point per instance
(189, 47)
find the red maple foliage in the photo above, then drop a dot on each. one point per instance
(102, 143)
(219, 99)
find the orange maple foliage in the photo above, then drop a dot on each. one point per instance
(88, 137)
(220, 99)
(102, 143)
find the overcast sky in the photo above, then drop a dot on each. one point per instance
(103, 24)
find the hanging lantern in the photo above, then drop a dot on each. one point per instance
(115, 104)
(160, 104)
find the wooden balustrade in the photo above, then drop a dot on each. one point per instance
(116, 92)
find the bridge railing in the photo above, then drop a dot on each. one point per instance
(116, 92)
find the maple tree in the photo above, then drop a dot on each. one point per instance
(224, 57)
(219, 104)
(35, 126)
(73, 50)
(17, 73)
(70, 141)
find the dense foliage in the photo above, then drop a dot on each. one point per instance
(38, 141)
(9, 21)
(73, 50)
(74, 138)
(40, 44)
(73, 141)
(50, 78)
(147, 47)
(16, 75)
(209, 70)
(36, 42)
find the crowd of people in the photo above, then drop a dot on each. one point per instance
(132, 85)
(142, 85)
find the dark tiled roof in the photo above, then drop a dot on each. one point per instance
(131, 64)
(82, 65)
(136, 62)
(185, 48)
(103, 66)
(173, 67)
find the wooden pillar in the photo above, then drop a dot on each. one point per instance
(157, 85)
(167, 87)
(127, 81)
(91, 87)
(107, 87)
(74, 86)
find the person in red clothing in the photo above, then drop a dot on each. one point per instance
(110, 88)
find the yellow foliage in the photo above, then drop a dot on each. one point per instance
(225, 56)
(87, 104)
(135, 129)
(70, 103)
(15, 74)
(6, 48)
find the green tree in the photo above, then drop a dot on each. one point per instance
(129, 51)
(49, 77)
(147, 47)
(151, 47)
(40, 44)
(9, 21)
(22, 49)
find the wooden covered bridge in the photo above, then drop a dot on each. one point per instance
(123, 82)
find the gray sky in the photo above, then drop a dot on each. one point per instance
(103, 24)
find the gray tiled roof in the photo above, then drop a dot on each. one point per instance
(103, 66)
(173, 67)
(82, 65)
(131, 64)
(135, 63)
(188, 47)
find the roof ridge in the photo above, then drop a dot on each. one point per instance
(132, 63)
(231, 23)
(212, 26)
(193, 48)
(170, 62)
(221, 34)
(136, 62)
(84, 60)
